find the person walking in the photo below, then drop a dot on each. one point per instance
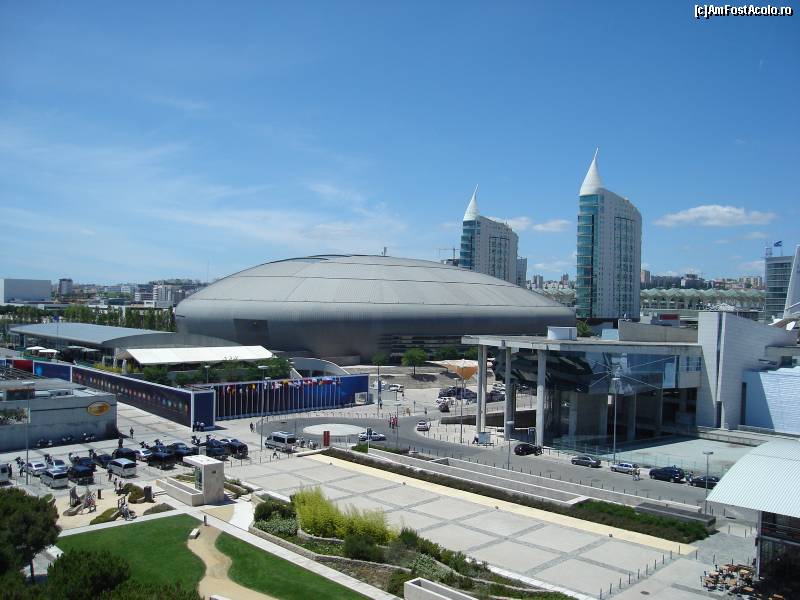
(252, 427)
(131, 431)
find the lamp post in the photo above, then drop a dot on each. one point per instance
(461, 418)
(206, 367)
(509, 426)
(263, 394)
(705, 501)
(615, 381)
(27, 443)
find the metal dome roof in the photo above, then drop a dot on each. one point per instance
(355, 279)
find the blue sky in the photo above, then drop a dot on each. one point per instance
(148, 140)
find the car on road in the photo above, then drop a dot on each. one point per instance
(57, 465)
(423, 426)
(586, 461)
(444, 407)
(214, 449)
(35, 467)
(80, 475)
(524, 449)
(55, 478)
(672, 473)
(126, 453)
(373, 437)
(101, 460)
(162, 460)
(624, 467)
(703, 481)
(235, 447)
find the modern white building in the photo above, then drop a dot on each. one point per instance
(777, 271)
(24, 291)
(488, 246)
(609, 257)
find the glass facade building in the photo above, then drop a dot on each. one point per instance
(488, 246)
(777, 271)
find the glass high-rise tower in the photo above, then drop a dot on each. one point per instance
(487, 246)
(609, 252)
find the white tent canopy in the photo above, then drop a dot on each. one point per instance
(35, 348)
(178, 356)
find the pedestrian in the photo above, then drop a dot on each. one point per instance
(109, 474)
(252, 427)
(131, 430)
(275, 454)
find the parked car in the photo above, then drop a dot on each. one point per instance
(35, 467)
(181, 450)
(214, 449)
(444, 407)
(586, 461)
(83, 461)
(423, 426)
(673, 473)
(373, 437)
(54, 478)
(281, 440)
(624, 467)
(524, 449)
(235, 447)
(102, 460)
(448, 391)
(56, 464)
(127, 453)
(143, 454)
(80, 474)
(162, 460)
(122, 467)
(703, 481)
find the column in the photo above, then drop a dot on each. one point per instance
(541, 389)
(573, 415)
(631, 409)
(508, 414)
(659, 415)
(481, 405)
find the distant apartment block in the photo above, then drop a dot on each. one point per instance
(24, 291)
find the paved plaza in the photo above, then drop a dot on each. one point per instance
(542, 549)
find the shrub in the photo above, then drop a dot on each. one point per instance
(427, 567)
(85, 574)
(106, 516)
(409, 538)
(316, 514)
(368, 523)
(399, 554)
(362, 547)
(279, 526)
(396, 582)
(135, 493)
(429, 548)
(264, 510)
(158, 508)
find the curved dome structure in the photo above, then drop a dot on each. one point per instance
(337, 306)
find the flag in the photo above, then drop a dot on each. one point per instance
(778, 244)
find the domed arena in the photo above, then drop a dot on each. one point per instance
(349, 307)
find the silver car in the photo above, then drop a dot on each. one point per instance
(35, 467)
(624, 467)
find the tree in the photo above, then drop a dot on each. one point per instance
(414, 357)
(446, 353)
(156, 375)
(27, 524)
(583, 329)
(471, 353)
(79, 574)
(380, 359)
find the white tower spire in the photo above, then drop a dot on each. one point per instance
(472, 208)
(592, 183)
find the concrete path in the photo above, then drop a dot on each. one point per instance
(216, 580)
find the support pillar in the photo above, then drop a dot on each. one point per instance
(508, 414)
(573, 415)
(541, 389)
(481, 404)
(659, 412)
(631, 409)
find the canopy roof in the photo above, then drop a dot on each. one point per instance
(767, 479)
(179, 356)
(463, 368)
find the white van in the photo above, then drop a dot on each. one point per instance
(281, 440)
(5, 474)
(55, 478)
(122, 467)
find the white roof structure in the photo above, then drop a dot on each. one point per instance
(592, 184)
(766, 479)
(179, 356)
(472, 208)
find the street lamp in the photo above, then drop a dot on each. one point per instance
(615, 381)
(206, 367)
(461, 418)
(509, 428)
(705, 501)
(263, 393)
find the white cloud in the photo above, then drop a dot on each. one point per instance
(753, 266)
(715, 215)
(552, 226)
(555, 265)
(520, 224)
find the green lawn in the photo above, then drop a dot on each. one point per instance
(266, 573)
(156, 550)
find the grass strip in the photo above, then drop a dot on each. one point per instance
(156, 550)
(269, 574)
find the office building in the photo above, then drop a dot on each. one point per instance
(537, 282)
(777, 271)
(609, 257)
(24, 291)
(65, 287)
(488, 246)
(644, 278)
(522, 272)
